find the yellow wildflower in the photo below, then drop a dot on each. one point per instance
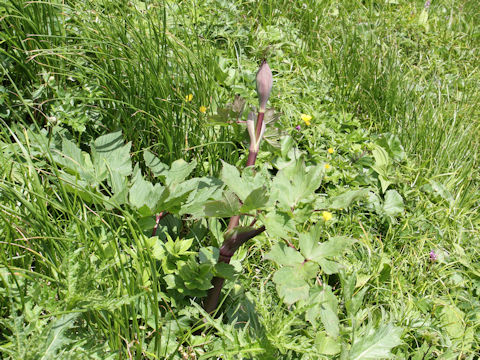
(327, 215)
(330, 150)
(188, 97)
(203, 109)
(327, 166)
(306, 118)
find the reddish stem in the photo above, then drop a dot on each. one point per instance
(258, 129)
(157, 221)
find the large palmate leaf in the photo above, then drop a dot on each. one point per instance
(295, 183)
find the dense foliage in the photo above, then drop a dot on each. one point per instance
(123, 150)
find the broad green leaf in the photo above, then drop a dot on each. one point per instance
(208, 255)
(110, 152)
(314, 251)
(343, 201)
(327, 345)
(326, 307)
(376, 344)
(143, 195)
(382, 160)
(179, 171)
(154, 164)
(291, 285)
(279, 224)
(226, 207)
(206, 189)
(329, 267)
(243, 185)
(295, 183)
(393, 204)
(284, 255)
(453, 321)
(257, 199)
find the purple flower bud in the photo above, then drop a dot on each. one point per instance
(433, 256)
(264, 84)
(298, 127)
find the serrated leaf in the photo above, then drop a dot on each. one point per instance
(314, 251)
(376, 344)
(284, 255)
(143, 195)
(206, 189)
(326, 307)
(327, 345)
(279, 224)
(208, 255)
(179, 170)
(228, 206)
(154, 164)
(56, 336)
(257, 199)
(231, 177)
(291, 286)
(295, 183)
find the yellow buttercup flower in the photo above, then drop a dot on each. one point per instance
(330, 150)
(189, 97)
(203, 109)
(327, 215)
(327, 166)
(306, 118)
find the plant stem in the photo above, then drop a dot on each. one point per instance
(157, 222)
(230, 245)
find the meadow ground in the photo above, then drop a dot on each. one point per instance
(122, 148)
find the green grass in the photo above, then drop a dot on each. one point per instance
(79, 277)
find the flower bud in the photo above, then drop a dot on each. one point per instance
(264, 84)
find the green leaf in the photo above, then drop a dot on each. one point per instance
(208, 255)
(257, 199)
(228, 206)
(154, 164)
(376, 344)
(393, 204)
(284, 255)
(346, 199)
(279, 224)
(291, 285)
(327, 345)
(110, 152)
(326, 307)
(240, 186)
(179, 171)
(295, 183)
(56, 336)
(143, 195)
(453, 321)
(310, 248)
(206, 189)
(225, 271)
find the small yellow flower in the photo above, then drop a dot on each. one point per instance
(327, 166)
(189, 97)
(327, 215)
(330, 150)
(306, 118)
(203, 109)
